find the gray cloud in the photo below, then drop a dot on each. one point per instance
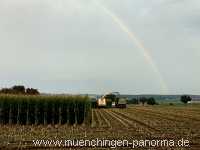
(73, 46)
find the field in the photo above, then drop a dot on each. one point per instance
(134, 122)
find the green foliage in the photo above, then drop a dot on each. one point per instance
(19, 89)
(31, 91)
(94, 104)
(151, 101)
(23, 109)
(185, 99)
(112, 97)
(109, 103)
(143, 100)
(133, 101)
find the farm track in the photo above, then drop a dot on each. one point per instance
(126, 120)
(115, 124)
(100, 123)
(119, 119)
(99, 120)
(102, 115)
(112, 122)
(134, 120)
(95, 120)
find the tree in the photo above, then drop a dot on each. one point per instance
(185, 99)
(5, 91)
(18, 89)
(143, 100)
(111, 97)
(31, 91)
(151, 101)
(133, 101)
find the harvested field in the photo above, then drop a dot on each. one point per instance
(133, 123)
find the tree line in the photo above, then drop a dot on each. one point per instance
(151, 101)
(19, 89)
(143, 100)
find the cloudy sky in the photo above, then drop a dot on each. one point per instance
(98, 46)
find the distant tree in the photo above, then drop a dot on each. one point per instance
(151, 101)
(143, 100)
(94, 104)
(109, 103)
(185, 99)
(133, 101)
(18, 89)
(31, 91)
(111, 97)
(5, 91)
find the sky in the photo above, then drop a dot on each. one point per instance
(100, 46)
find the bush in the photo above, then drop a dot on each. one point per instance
(185, 99)
(93, 103)
(151, 101)
(143, 100)
(109, 103)
(19, 89)
(31, 91)
(133, 101)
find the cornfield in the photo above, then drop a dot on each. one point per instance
(29, 110)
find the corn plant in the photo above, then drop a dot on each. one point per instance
(23, 109)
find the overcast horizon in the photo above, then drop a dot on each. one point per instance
(100, 46)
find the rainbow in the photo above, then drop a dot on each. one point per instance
(138, 43)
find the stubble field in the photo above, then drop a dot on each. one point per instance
(133, 123)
